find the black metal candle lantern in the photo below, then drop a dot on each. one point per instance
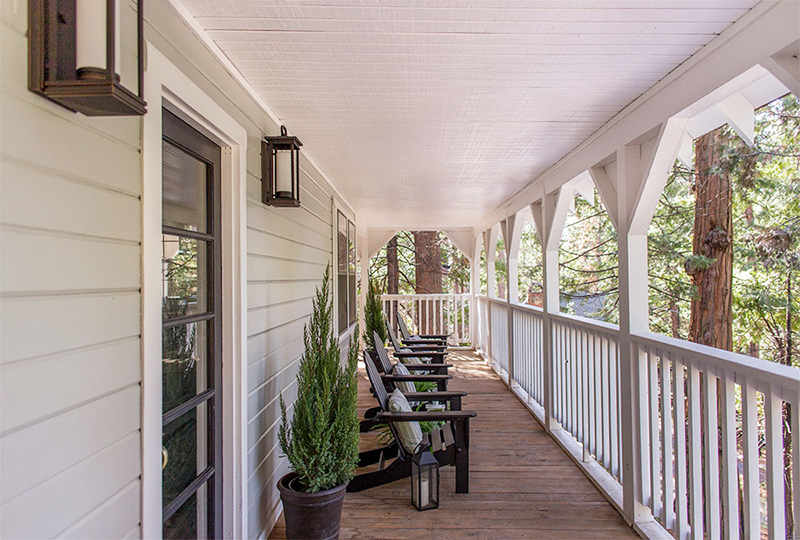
(280, 170)
(75, 55)
(424, 480)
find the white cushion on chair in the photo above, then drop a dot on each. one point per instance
(404, 386)
(413, 359)
(410, 433)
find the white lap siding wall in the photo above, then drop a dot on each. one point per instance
(70, 355)
(70, 361)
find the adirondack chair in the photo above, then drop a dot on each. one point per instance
(429, 357)
(436, 373)
(411, 346)
(450, 443)
(419, 338)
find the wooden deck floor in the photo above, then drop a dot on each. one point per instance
(522, 485)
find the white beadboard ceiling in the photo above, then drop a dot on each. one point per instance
(431, 113)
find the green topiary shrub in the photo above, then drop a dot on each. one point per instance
(373, 317)
(321, 439)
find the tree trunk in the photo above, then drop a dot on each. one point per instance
(711, 317)
(428, 263)
(393, 272)
(675, 318)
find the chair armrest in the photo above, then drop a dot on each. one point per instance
(434, 336)
(424, 416)
(416, 378)
(426, 367)
(420, 354)
(434, 396)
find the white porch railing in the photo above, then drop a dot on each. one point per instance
(710, 427)
(432, 314)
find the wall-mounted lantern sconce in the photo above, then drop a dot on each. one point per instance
(280, 170)
(76, 55)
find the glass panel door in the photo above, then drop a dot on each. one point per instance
(191, 351)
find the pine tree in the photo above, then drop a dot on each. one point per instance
(321, 439)
(373, 316)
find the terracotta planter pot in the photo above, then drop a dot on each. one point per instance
(311, 516)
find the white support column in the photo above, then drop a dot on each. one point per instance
(365, 256)
(474, 288)
(549, 215)
(490, 247)
(631, 189)
(512, 228)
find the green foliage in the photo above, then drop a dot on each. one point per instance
(766, 219)
(374, 320)
(529, 263)
(321, 439)
(455, 266)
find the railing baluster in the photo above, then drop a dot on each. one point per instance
(711, 468)
(773, 407)
(655, 446)
(695, 453)
(679, 449)
(752, 518)
(667, 505)
(730, 469)
(613, 365)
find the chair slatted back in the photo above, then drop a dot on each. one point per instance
(382, 396)
(401, 324)
(383, 354)
(393, 337)
(376, 382)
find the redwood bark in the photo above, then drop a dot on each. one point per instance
(712, 316)
(428, 263)
(393, 273)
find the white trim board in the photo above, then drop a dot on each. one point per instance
(165, 85)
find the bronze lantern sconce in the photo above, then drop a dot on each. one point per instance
(75, 55)
(280, 170)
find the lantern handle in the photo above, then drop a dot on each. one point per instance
(422, 447)
(283, 131)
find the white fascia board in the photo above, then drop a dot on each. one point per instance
(764, 31)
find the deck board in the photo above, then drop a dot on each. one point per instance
(522, 484)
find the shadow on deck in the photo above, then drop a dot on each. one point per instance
(522, 484)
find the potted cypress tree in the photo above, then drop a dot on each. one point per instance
(373, 317)
(321, 438)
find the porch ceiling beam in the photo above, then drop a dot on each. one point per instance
(763, 32)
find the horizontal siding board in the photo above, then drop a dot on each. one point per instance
(66, 205)
(262, 506)
(266, 318)
(40, 261)
(37, 326)
(313, 212)
(75, 150)
(288, 223)
(262, 343)
(265, 294)
(262, 370)
(72, 494)
(284, 269)
(28, 457)
(114, 519)
(268, 245)
(262, 401)
(40, 383)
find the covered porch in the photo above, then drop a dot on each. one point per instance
(522, 483)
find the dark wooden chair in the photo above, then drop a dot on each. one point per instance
(429, 357)
(420, 338)
(450, 443)
(413, 346)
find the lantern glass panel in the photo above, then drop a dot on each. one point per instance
(425, 481)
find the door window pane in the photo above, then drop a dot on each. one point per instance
(187, 451)
(184, 276)
(185, 363)
(184, 190)
(342, 271)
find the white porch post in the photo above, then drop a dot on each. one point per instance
(362, 324)
(474, 289)
(549, 215)
(631, 188)
(489, 240)
(512, 228)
